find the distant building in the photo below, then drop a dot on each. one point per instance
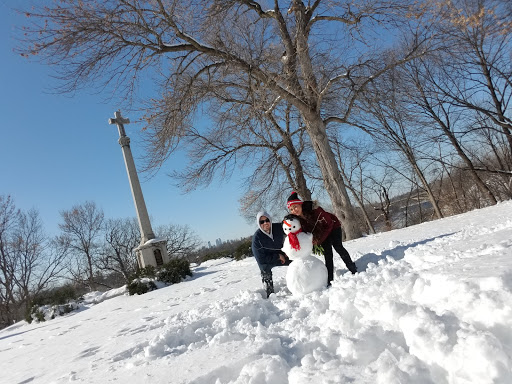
(209, 244)
(218, 242)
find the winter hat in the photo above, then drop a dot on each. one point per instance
(258, 217)
(293, 199)
(260, 214)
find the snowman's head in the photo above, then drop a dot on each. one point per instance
(291, 224)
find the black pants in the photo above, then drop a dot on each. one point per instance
(268, 283)
(334, 241)
(266, 277)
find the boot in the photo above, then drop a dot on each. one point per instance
(268, 283)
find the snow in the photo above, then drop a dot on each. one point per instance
(306, 275)
(155, 240)
(432, 304)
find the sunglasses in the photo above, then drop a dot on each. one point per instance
(264, 221)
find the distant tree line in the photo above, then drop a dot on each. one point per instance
(235, 249)
(90, 253)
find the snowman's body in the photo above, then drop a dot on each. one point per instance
(307, 273)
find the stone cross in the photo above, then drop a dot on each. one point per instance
(120, 121)
(140, 206)
(151, 251)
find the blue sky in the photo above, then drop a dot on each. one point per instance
(59, 150)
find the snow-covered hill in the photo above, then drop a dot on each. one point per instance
(433, 304)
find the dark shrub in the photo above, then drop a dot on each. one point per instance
(243, 250)
(64, 295)
(37, 312)
(139, 287)
(148, 271)
(38, 315)
(174, 271)
(58, 297)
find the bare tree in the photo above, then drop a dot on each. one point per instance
(29, 261)
(40, 261)
(466, 92)
(8, 221)
(426, 93)
(117, 254)
(274, 144)
(181, 240)
(214, 45)
(384, 115)
(493, 160)
(354, 174)
(81, 227)
(476, 71)
(381, 187)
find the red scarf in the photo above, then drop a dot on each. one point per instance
(294, 242)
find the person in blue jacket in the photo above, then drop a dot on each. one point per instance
(267, 242)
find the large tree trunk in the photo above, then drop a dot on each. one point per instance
(333, 181)
(315, 126)
(300, 180)
(297, 180)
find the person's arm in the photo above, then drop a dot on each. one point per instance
(323, 226)
(279, 238)
(264, 255)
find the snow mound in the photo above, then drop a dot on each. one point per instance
(306, 275)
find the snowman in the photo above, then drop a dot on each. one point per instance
(307, 273)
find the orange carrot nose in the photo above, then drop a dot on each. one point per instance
(284, 222)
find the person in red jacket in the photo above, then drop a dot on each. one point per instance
(326, 230)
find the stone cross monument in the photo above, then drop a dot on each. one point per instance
(151, 251)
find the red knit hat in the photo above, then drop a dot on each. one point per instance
(293, 199)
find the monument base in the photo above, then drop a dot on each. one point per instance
(153, 252)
